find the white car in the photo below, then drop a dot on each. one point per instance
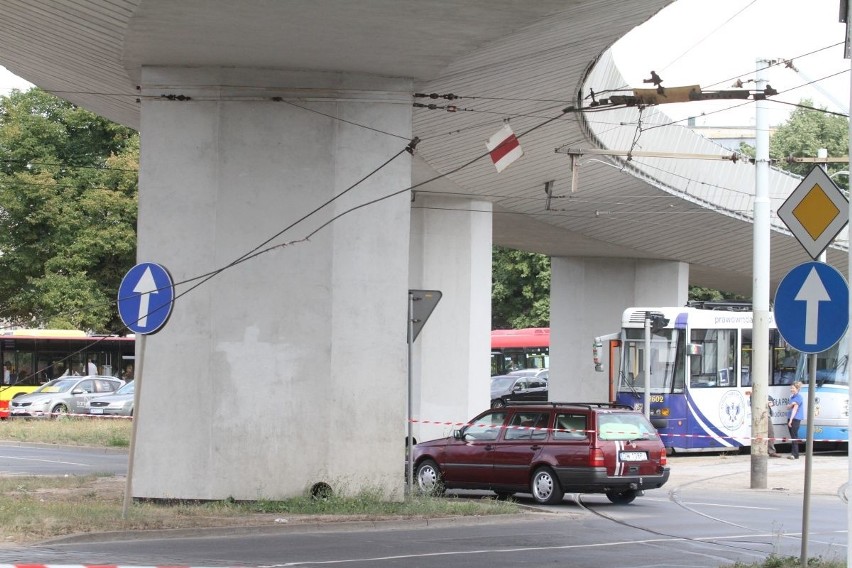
(119, 403)
(62, 395)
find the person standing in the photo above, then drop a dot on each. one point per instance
(770, 431)
(796, 415)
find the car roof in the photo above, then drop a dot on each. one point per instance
(604, 406)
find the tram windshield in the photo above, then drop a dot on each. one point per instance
(666, 356)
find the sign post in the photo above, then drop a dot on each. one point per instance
(812, 314)
(421, 303)
(145, 299)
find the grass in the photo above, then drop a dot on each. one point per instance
(790, 562)
(39, 508)
(72, 431)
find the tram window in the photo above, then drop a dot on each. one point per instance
(784, 360)
(715, 359)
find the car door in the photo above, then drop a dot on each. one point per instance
(518, 447)
(519, 390)
(537, 390)
(81, 394)
(569, 448)
(469, 461)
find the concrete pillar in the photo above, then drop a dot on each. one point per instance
(289, 369)
(451, 252)
(587, 299)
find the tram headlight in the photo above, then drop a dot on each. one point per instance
(664, 412)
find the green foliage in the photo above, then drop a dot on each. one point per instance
(68, 201)
(520, 292)
(803, 135)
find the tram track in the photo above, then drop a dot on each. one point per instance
(760, 547)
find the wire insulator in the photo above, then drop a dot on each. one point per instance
(412, 145)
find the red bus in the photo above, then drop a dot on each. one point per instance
(513, 349)
(31, 357)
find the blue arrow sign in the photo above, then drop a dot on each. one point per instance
(145, 298)
(812, 307)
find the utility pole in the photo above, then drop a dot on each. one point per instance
(760, 290)
(849, 276)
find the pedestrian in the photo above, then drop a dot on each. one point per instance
(7, 373)
(796, 415)
(91, 368)
(770, 431)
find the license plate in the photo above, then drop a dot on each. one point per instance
(96, 411)
(633, 456)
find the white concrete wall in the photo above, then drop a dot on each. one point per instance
(451, 252)
(288, 369)
(587, 299)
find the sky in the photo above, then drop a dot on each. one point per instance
(711, 43)
(9, 81)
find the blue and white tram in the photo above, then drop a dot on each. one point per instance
(700, 385)
(831, 397)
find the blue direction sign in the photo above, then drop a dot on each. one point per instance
(812, 307)
(145, 298)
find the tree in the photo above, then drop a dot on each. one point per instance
(520, 292)
(68, 204)
(804, 133)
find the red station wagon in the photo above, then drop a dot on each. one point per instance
(547, 449)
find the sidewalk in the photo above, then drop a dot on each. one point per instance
(829, 473)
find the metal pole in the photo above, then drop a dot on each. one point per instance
(410, 409)
(809, 452)
(760, 290)
(849, 278)
(137, 389)
(646, 404)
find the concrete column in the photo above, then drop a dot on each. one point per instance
(451, 252)
(587, 299)
(289, 369)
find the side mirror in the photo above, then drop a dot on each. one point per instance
(457, 434)
(77, 391)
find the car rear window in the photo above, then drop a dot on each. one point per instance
(570, 426)
(625, 426)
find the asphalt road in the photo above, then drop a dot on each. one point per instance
(707, 516)
(45, 459)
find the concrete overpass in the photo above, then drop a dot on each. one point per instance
(289, 369)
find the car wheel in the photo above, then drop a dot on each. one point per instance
(498, 403)
(59, 410)
(545, 487)
(428, 478)
(621, 497)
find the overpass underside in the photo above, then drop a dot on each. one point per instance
(274, 143)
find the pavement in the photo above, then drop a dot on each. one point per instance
(829, 473)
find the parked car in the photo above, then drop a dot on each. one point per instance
(531, 373)
(62, 395)
(119, 403)
(514, 388)
(547, 450)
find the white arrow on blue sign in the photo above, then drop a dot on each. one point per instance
(812, 307)
(145, 298)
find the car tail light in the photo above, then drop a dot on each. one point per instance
(596, 457)
(663, 457)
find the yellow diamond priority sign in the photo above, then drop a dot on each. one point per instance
(815, 212)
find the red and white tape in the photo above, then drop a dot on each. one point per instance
(707, 436)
